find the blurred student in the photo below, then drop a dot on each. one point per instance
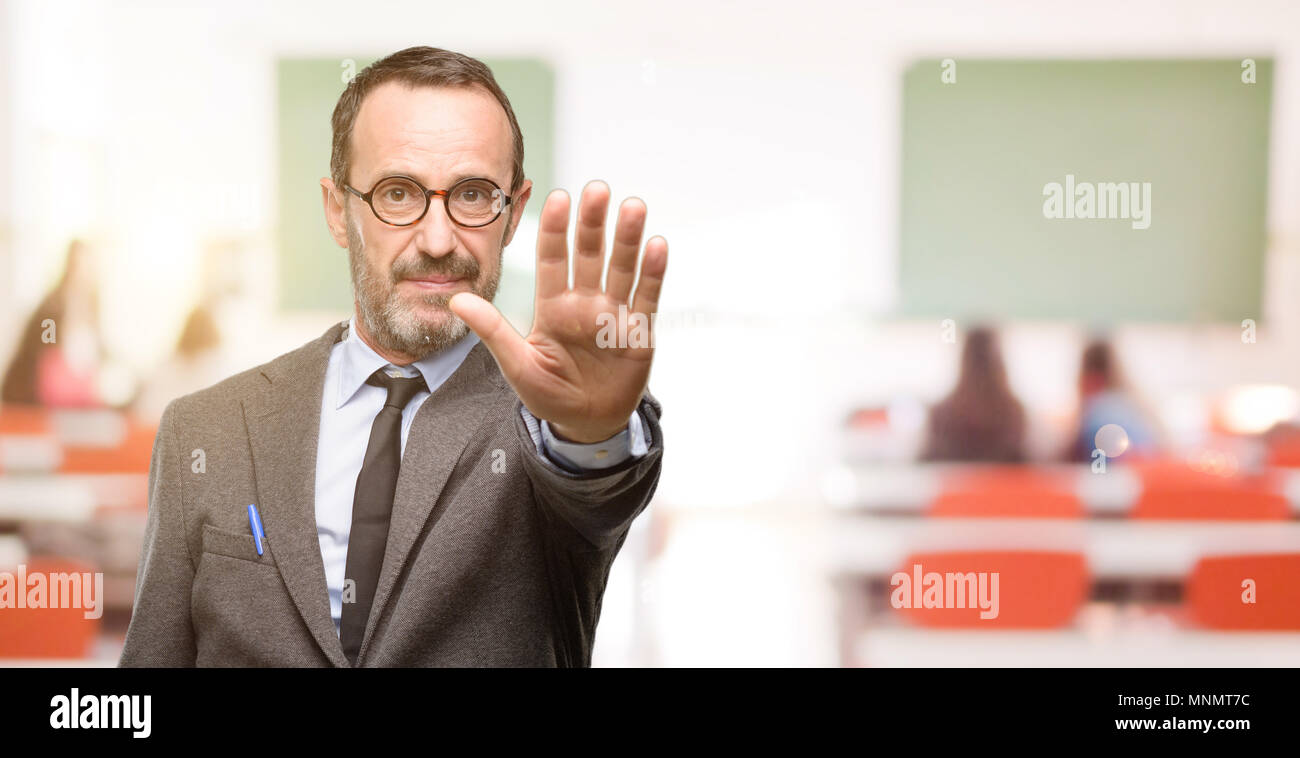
(1105, 398)
(195, 364)
(60, 351)
(981, 419)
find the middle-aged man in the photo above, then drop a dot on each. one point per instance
(432, 488)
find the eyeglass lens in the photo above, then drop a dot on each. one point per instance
(472, 202)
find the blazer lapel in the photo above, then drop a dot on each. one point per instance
(441, 430)
(283, 429)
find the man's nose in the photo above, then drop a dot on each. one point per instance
(435, 234)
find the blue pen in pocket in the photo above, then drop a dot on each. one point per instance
(255, 523)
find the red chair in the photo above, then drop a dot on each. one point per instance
(1216, 598)
(1177, 491)
(1034, 590)
(1008, 492)
(131, 456)
(1283, 446)
(24, 420)
(49, 632)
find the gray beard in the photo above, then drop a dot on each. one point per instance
(390, 320)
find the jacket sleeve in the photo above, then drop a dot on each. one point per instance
(161, 633)
(596, 507)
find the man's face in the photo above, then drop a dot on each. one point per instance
(403, 277)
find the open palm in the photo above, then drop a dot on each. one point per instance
(585, 386)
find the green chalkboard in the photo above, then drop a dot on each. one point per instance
(314, 270)
(983, 140)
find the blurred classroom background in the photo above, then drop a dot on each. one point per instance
(874, 349)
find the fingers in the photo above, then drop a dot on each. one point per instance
(553, 246)
(589, 248)
(589, 238)
(653, 266)
(509, 349)
(627, 242)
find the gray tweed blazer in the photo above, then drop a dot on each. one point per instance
(483, 566)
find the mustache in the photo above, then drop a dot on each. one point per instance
(448, 265)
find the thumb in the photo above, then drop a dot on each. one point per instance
(505, 344)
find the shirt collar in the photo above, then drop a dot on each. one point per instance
(359, 361)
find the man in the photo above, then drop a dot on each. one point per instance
(433, 489)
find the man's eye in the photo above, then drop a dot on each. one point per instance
(396, 194)
(471, 196)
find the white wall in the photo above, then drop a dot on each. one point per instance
(733, 120)
(8, 290)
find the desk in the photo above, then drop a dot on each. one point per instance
(68, 497)
(105, 652)
(12, 552)
(911, 488)
(45, 498)
(41, 441)
(875, 546)
(919, 648)
(868, 547)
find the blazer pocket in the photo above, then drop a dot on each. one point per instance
(236, 545)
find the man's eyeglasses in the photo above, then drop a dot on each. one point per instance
(402, 201)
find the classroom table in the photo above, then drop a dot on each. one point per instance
(1120, 647)
(70, 498)
(910, 488)
(873, 546)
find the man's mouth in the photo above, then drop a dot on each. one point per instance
(435, 282)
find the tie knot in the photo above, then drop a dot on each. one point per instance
(400, 389)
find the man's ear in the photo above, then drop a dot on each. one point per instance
(517, 210)
(333, 199)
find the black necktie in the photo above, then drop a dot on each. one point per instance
(372, 506)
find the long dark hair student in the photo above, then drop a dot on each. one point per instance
(981, 419)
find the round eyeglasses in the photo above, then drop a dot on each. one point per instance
(402, 201)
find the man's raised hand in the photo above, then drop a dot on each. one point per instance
(586, 389)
